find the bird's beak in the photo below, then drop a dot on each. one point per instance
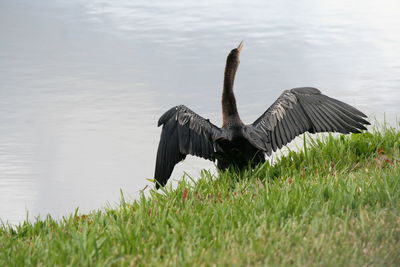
(240, 46)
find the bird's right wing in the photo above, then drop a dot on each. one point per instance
(305, 109)
(184, 132)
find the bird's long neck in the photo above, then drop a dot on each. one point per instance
(229, 109)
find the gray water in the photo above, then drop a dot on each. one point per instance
(83, 82)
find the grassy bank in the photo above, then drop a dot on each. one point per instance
(337, 204)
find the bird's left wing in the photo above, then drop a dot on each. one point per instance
(184, 132)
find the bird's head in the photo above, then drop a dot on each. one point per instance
(235, 53)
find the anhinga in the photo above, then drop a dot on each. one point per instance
(296, 111)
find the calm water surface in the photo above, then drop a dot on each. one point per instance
(83, 82)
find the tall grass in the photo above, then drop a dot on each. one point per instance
(337, 204)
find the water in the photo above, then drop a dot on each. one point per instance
(83, 82)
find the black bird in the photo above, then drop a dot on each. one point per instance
(296, 111)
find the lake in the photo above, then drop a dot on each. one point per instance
(83, 83)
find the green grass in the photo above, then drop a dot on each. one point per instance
(337, 204)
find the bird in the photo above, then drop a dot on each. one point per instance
(296, 111)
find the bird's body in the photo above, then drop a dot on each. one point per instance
(235, 144)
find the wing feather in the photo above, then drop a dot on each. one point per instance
(306, 123)
(292, 122)
(287, 127)
(273, 142)
(341, 109)
(325, 119)
(337, 122)
(317, 127)
(278, 136)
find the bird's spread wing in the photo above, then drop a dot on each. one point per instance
(305, 109)
(184, 132)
